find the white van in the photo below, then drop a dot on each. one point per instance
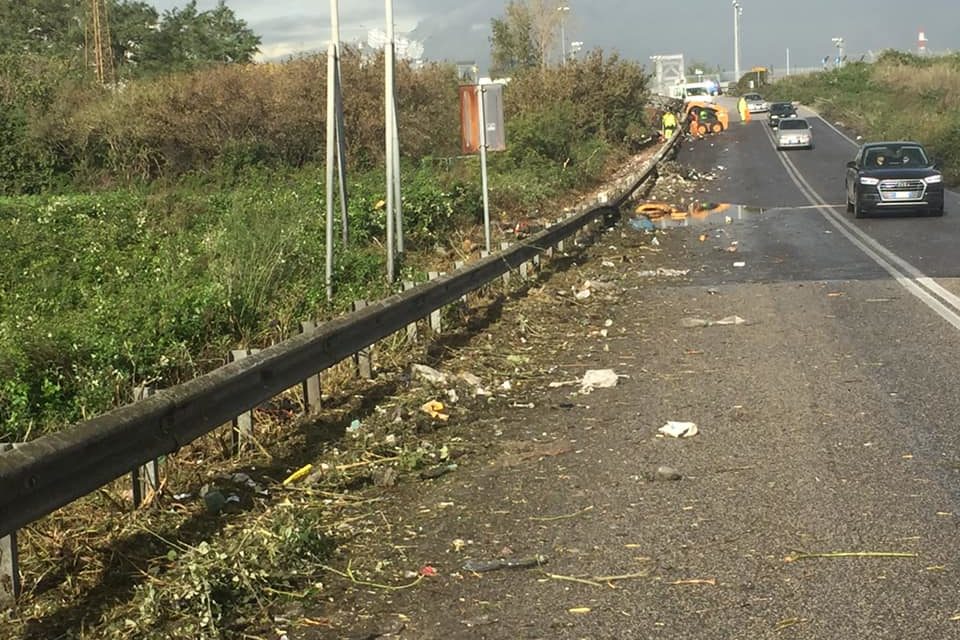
(694, 91)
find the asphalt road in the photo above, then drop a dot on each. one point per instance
(828, 424)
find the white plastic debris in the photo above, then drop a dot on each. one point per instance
(582, 294)
(739, 265)
(679, 429)
(692, 323)
(428, 374)
(665, 273)
(598, 379)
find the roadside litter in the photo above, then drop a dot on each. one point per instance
(665, 273)
(692, 323)
(598, 379)
(428, 374)
(299, 474)
(641, 223)
(679, 429)
(434, 409)
(432, 473)
(665, 473)
(481, 566)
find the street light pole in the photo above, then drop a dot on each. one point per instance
(838, 43)
(737, 12)
(564, 10)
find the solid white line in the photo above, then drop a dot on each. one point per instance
(875, 250)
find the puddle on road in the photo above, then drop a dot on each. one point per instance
(657, 215)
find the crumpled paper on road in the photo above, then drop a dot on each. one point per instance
(676, 429)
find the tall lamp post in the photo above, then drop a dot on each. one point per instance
(838, 43)
(737, 12)
(564, 10)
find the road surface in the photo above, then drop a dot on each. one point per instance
(819, 499)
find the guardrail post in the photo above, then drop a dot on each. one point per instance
(9, 563)
(363, 358)
(9, 572)
(457, 266)
(312, 391)
(242, 433)
(146, 478)
(412, 327)
(506, 276)
(435, 315)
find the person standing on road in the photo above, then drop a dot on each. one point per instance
(693, 123)
(668, 125)
(744, 111)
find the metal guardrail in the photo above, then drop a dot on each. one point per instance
(42, 475)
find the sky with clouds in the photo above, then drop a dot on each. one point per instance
(702, 30)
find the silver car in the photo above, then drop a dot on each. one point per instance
(756, 103)
(794, 132)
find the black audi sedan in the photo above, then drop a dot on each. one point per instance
(893, 176)
(779, 111)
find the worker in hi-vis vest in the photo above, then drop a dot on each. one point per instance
(742, 108)
(668, 125)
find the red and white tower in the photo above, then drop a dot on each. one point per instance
(922, 44)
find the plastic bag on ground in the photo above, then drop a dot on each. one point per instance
(598, 379)
(676, 429)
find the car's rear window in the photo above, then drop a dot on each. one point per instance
(794, 124)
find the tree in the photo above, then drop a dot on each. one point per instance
(188, 39)
(524, 36)
(132, 24)
(142, 41)
(49, 27)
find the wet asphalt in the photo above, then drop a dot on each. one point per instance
(828, 424)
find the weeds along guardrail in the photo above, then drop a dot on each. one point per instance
(40, 476)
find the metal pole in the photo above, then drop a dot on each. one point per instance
(398, 201)
(341, 143)
(483, 166)
(788, 60)
(736, 41)
(563, 37)
(342, 157)
(331, 143)
(388, 134)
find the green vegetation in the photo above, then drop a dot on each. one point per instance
(146, 231)
(900, 96)
(142, 41)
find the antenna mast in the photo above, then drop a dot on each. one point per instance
(98, 26)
